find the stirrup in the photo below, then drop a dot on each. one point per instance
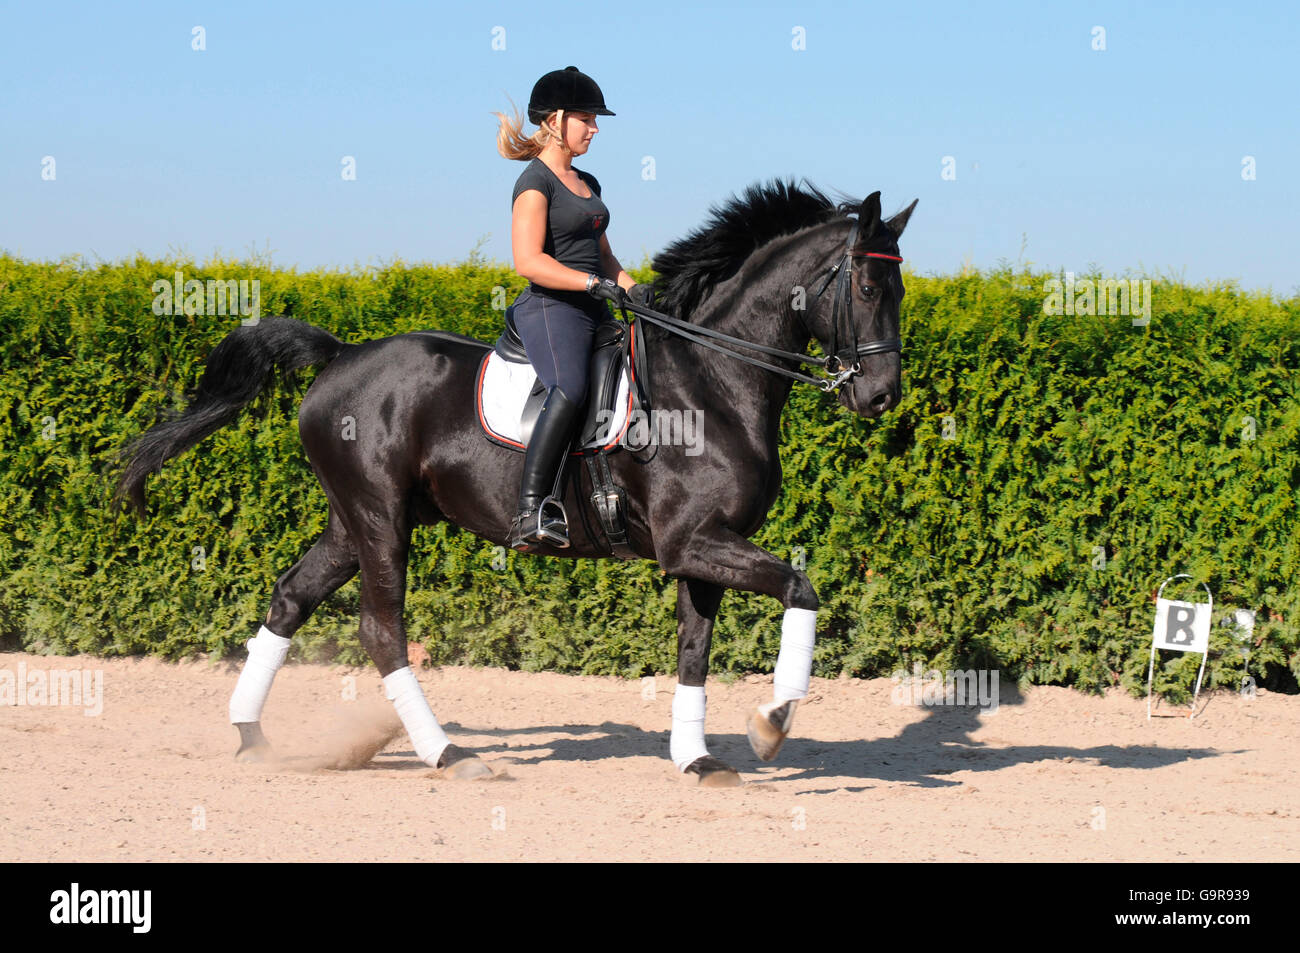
(530, 531)
(557, 533)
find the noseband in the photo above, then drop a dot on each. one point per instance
(837, 360)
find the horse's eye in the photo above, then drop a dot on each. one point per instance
(870, 291)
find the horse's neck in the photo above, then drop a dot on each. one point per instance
(756, 311)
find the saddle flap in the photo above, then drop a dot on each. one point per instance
(604, 372)
(532, 408)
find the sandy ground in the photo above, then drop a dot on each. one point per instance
(583, 774)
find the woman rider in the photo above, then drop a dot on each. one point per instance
(558, 239)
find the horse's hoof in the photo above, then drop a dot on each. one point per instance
(767, 727)
(253, 746)
(460, 764)
(712, 773)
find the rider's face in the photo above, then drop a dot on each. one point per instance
(579, 127)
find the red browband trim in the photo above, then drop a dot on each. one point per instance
(874, 254)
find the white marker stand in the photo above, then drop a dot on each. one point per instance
(1162, 637)
(1242, 623)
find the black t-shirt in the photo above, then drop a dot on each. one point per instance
(574, 224)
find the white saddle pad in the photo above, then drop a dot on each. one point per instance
(503, 389)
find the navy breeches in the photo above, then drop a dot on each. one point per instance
(557, 335)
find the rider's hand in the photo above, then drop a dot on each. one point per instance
(607, 289)
(643, 295)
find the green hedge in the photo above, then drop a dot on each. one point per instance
(966, 528)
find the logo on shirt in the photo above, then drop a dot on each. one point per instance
(597, 223)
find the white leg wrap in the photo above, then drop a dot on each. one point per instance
(266, 652)
(686, 743)
(404, 691)
(794, 662)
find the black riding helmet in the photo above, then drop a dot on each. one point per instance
(567, 88)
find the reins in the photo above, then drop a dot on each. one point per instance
(835, 363)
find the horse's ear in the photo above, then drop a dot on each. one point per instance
(869, 216)
(899, 221)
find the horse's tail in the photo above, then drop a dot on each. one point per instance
(237, 370)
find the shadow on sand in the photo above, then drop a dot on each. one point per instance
(921, 754)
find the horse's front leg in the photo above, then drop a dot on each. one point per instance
(726, 559)
(697, 607)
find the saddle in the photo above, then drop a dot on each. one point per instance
(509, 397)
(608, 394)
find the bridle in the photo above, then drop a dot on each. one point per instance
(843, 363)
(838, 358)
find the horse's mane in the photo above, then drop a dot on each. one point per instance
(691, 267)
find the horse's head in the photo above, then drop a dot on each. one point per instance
(861, 327)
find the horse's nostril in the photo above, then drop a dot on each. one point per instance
(882, 401)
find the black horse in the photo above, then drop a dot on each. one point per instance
(417, 453)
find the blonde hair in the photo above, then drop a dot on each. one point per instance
(513, 144)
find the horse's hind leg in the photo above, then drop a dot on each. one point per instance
(330, 563)
(383, 554)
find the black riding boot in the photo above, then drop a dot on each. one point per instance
(545, 455)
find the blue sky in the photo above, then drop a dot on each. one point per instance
(1128, 159)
